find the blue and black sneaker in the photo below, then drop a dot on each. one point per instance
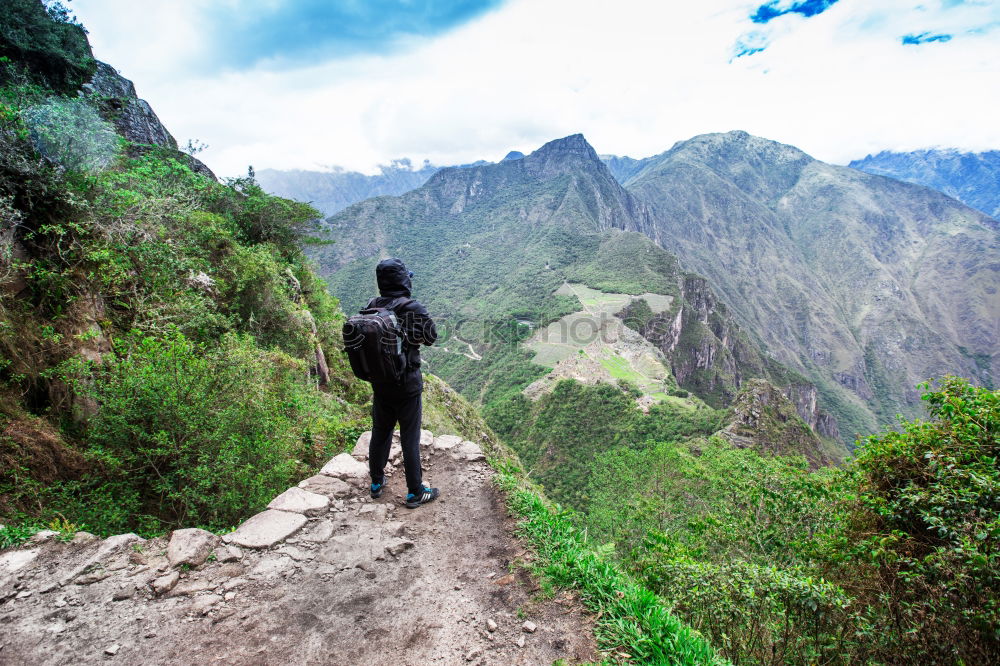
(413, 500)
(377, 489)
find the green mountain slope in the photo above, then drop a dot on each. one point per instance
(865, 285)
(495, 249)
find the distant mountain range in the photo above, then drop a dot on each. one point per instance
(333, 190)
(972, 178)
(811, 274)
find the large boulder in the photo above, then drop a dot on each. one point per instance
(190, 546)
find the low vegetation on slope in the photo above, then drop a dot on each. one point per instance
(167, 355)
(892, 559)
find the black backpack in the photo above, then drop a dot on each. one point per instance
(374, 343)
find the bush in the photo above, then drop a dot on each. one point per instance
(927, 526)
(189, 435)
(45, 44)
(70, 133)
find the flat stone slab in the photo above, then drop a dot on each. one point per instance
(267, 528)
(326, 485)
(301, 501)
(345, 467)
(446, 442)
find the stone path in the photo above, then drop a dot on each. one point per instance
(324, 575)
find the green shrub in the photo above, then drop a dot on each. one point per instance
(190, 435)
(45, 44)
(926, 527)
(69, 132)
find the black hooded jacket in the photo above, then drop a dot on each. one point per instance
(418, 327)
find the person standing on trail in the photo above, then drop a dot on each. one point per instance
(400, 401)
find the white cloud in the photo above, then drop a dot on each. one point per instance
(633, 76)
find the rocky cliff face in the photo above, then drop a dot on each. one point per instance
(133, 118)
(864, 285)
(972, 178)
(711, 356)
(762, 417)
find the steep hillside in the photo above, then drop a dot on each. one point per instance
(972, 178)
(334, 190)
(167, 355)
(865, 285)
(506, 254)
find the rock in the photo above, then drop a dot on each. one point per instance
(520, 641)
(202, 605)
(113, 650)
(491, 625)
(326, 485)
(83, 537)
(43, 535)
(361, 448)
(426, 439)
(229, 596)
(446, 442)
(124, 593)
(164, 584)
(376, 512)
(473, 654)
(469, 451)
(24, 594)
(267, 528)
(294, 553)
(190, 546)
(233, 583)
(394, 529)
(346, 468)
(228, 554)
(320, 533)
(189, 587)
(398, 546)
(529, 626)
(301, 501)
(97, 573)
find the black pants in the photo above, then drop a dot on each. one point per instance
(388, 408)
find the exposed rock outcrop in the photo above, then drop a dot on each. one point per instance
(133, 118)
(762, 418)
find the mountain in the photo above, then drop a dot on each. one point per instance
(864, 284)
(334, 190)
(551, 244)
(972, 178)
(623, 168)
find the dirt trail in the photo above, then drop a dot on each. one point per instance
(362, 582)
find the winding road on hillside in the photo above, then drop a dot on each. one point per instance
(359, 582)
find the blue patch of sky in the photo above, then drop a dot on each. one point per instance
(750, 43)
(925, 38)
(293, 31)
(807, 8)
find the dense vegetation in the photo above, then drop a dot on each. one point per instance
(892, 559)
(168, 356)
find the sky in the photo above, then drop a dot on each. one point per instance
(311, 84)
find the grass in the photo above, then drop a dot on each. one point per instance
(632, 623)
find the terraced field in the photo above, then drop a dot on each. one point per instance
(593, 345)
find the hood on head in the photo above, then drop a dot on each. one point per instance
(393, 278)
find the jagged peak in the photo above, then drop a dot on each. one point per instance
(572, 144)
(513, 155)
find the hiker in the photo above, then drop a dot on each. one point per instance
(400, 401)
